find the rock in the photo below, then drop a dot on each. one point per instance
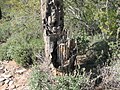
(6, 70)
(20, 71)
(12, 76)
(10, 83)
(2, 79)
(12, 87)
(15, 89)
(1, 71)
(4, 87)
(99, 53)
(10, 79)
(6, 76)
(6, 61)
(17, 85)
(27, 88)
(1, 67)
(2, 83)
(7, 81)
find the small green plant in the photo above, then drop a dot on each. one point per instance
(39, 80)
(82, 44)
(71, 82)
(5, 32)
(3, 52)
(22, 47)
(23, 55)
(20, 35)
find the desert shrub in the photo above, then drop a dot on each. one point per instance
(110, 77)
(39, 80)
(22, 55)
(20, 31)
(114, 46)
(96, 50)
(5, 32)
(99, 53)
(22, 47)
(71, 82)
(25, 39)
(82, 44)
(3, 52)
(107, 79)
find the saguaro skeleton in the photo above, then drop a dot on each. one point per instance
(0, 14)
(55, 38)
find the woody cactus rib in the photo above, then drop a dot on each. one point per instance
(53, 23)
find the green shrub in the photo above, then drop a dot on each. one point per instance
(23, 49)
(72, 83)
(3, 52)
(22, 55)
(5, 32)
(82, 44)
(20, 35)
(39, 80)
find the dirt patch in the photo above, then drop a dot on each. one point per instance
(13, 76)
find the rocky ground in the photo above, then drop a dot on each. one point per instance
(13, 77)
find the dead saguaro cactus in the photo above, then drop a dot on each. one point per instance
(55, 38)
(67, 55)
(0, 14)
(53, 23)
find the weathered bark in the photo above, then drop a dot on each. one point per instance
(0, 14)
(58, 50)
(53, 23)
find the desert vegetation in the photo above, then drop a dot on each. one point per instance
(94, 24)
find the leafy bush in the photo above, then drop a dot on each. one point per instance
(108, 78)
(39, 80)
(23, 55)
(3, 52)
(5, 32)
(111, 77)
(71, 82)
(25, 46)
(20, 31)
(22, 47)
(82, 44)
(98, 54)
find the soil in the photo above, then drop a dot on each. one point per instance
(13, 76)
